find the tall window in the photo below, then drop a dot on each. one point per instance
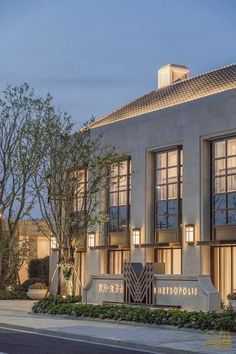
(168, 189)
(224, 270)
(78, 189)
(119, 197)
(116, 261)
(170, 258)
(224, 182)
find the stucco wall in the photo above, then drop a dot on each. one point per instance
(190, 125)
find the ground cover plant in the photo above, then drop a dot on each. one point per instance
(225, 320)
(12, 294)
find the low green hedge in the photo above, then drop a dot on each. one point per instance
(225, 321)
(12, 294)
(46, 304)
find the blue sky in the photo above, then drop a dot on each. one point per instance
(95, 55)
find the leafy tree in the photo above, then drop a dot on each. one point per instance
(71, 182)
(23, 121)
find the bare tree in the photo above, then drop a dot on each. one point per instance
(73, 173)
(23, 120)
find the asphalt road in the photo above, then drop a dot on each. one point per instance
(20, 342)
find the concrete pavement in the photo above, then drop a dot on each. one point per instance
(15, 314)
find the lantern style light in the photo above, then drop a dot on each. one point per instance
(136, 236)
(91, 239)
(190, 233)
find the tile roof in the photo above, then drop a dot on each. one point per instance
(190, 89)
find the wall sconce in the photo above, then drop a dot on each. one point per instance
(190, 234)
(53, 241)
(91, 239)
(136, 237)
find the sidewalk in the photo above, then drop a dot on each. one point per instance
(15, 314)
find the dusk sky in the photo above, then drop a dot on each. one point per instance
(94, 56)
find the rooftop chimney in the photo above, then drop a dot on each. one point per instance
(171, 73)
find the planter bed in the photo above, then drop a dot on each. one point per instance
(197, 320)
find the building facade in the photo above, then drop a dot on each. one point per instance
(38, 243)
(172, 201)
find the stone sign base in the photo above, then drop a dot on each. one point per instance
(188, 292)
(104, 287)
(184, 291)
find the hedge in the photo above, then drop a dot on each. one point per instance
(225, 321)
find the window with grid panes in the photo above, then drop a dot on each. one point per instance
(224, 182)
(77, 186)
(119, 197)
(116, 261)
(168, 189)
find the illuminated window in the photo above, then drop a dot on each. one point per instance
(224, 182)
(116, 261)
(170, 259)
(224, 269)
(77, 186)
(168, 189)
(119, 197)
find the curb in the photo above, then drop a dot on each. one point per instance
(100, 341)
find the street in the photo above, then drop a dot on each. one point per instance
(22, 342)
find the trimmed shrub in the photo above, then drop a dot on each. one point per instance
(225, 321)
(39, 268)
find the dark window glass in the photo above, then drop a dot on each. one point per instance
(172, 206)
(168, 189)
(232, 200)
(220, 217)
(172, 222)
(113, 219)
(220, 201)
(224, 181)
(162, 207)
(232, 217)
(123, 218)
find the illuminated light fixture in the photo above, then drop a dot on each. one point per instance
(190, 234)
(136, 236)
(53, 240)
(91, 239)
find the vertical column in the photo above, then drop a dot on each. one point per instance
(191, 200)
(138, 202)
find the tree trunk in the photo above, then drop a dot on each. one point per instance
(68, 273)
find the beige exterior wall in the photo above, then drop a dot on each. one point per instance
(191, 125)
(39, 244)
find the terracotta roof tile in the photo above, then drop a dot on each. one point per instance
(190, 89)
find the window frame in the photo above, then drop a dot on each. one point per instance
(172, 257)
(115, 252)
(118, 191)
(74, 198)
(179, 183)
(213, 176)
